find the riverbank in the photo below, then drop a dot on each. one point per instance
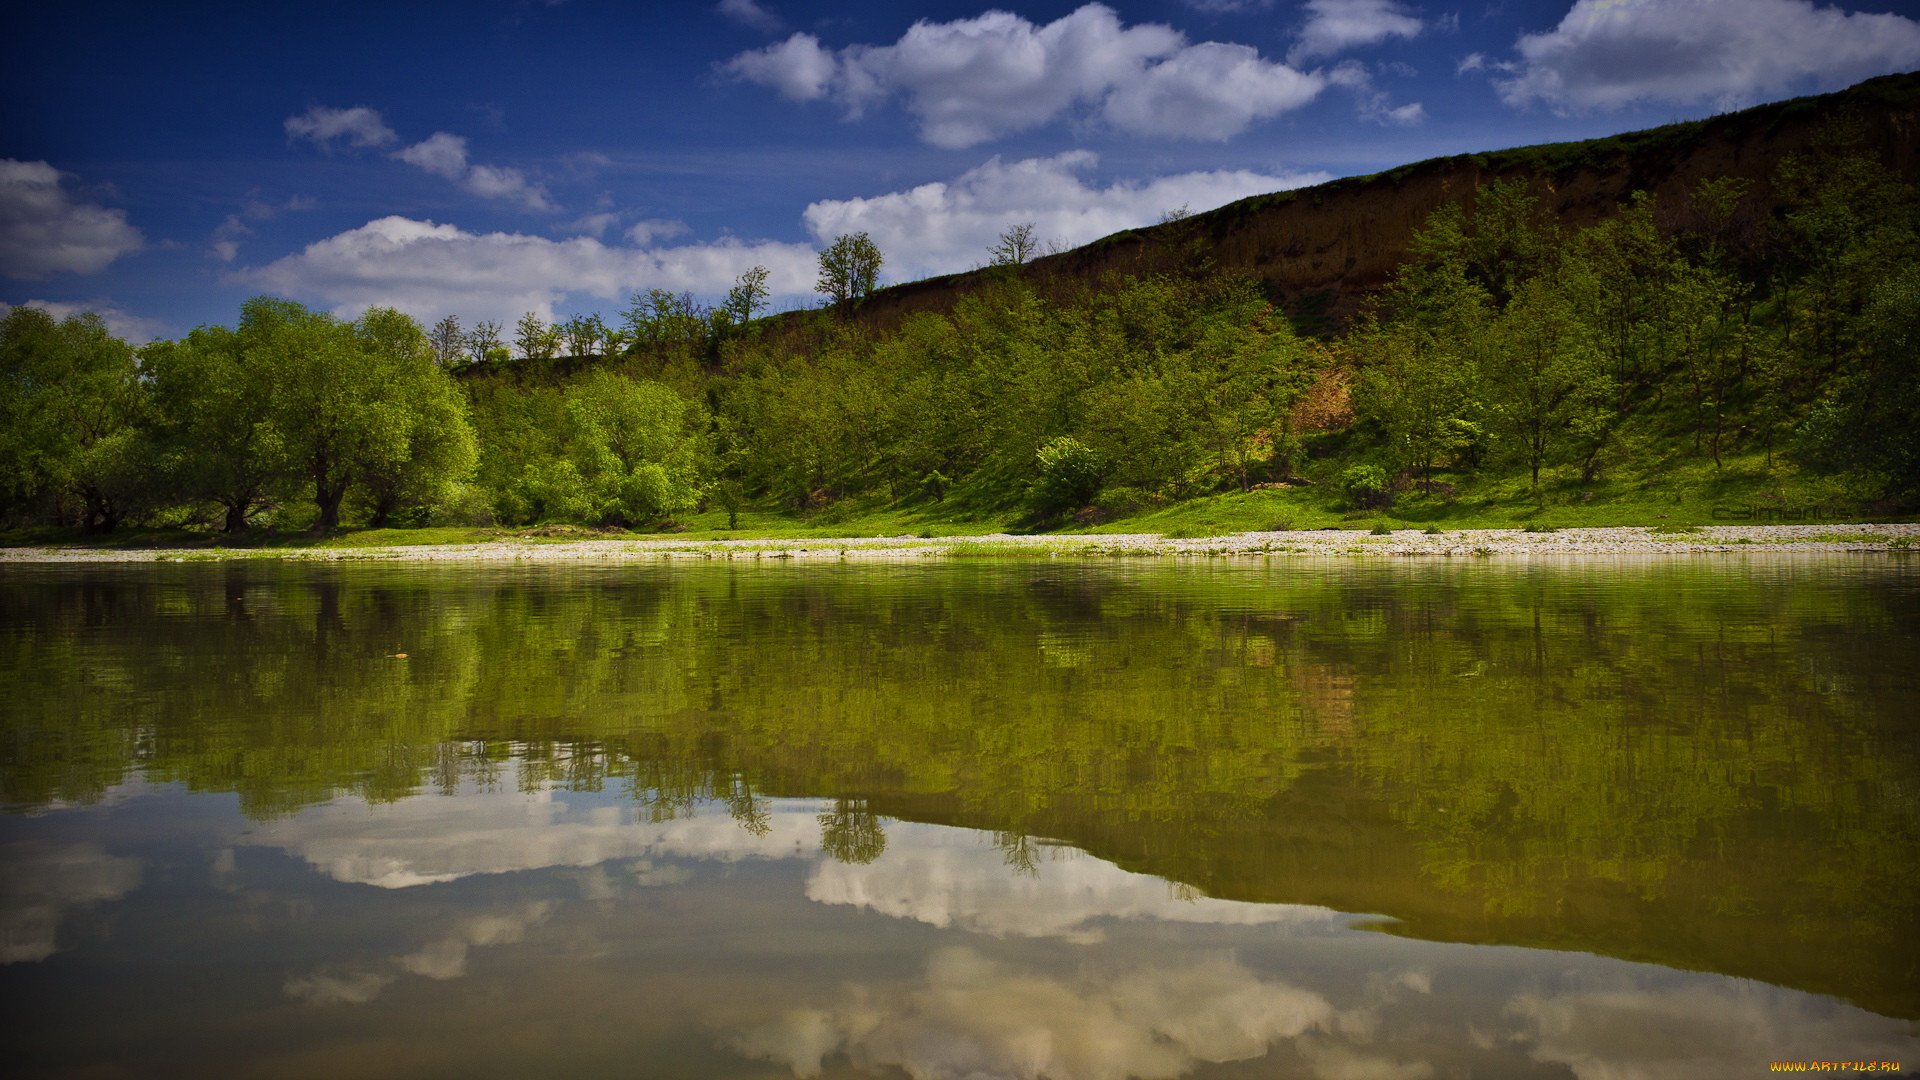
(1464, 543)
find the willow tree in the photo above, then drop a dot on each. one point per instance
(355, 403)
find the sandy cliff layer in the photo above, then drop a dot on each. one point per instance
(1322, 248)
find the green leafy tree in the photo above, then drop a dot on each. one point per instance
(214, 420)
(637, 447)
(747, 298)
(849, 268)
(535, 339)
(347, 400)
(1542, 375)
(437, 450)
(73, 409)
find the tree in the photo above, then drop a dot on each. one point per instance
(449, 341)
(72, 410)
(747, 298)
(1015, 246)
(213, 406)
(583, 334)
(1542, 374)
(350, 400)
(535, 339)
(483, 341)
(849, 268)
(636, 447)
(436, 448)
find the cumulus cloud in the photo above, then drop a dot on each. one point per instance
(948, 226)
(1608, 54)
(972, 80)
(121, 323)
(749, 14)
(1208, 91)
(445, 155)
(44, 230)
(973, 1017)
(359, 126)
(429, 270)
(1334, 26)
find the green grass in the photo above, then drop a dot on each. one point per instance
(1668, 488)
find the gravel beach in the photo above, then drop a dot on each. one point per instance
(1496, 543)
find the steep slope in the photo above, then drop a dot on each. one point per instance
(1318, 250)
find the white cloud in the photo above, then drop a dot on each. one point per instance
(750, 14)
(429, 841)
(977, 79)
(1472, 62)
(1208, 91)
(797, 67)
(1228, 7)
(442, 154)
(1334, 26)
(1608, 54)
(950, 878)
(44, 231)
(121, 323)
(445, 155)
(945, 227)
(359, 126)
(646, 232)
(973, 1017)
(594, 225)
(1374, 103)
(430, 270)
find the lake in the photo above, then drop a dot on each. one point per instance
(970, 818)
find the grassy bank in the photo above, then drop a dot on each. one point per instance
(1673, 496)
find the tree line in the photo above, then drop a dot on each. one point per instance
(1730, 321)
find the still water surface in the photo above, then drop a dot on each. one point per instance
(1600, 819)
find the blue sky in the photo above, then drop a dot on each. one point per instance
(496, 157)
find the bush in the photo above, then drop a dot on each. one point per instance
(1366, 486)
(1070, 475)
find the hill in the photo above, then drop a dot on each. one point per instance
(1320, 250)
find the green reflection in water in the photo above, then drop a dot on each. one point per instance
(1707, 764)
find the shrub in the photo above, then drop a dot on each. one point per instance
(1366, 486)
(1070, 474)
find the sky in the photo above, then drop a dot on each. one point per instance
(492, 158)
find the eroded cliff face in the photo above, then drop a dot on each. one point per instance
(1320, 250)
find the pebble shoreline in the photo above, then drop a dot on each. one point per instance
(1505, 543)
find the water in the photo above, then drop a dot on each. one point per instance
(1653, 818)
